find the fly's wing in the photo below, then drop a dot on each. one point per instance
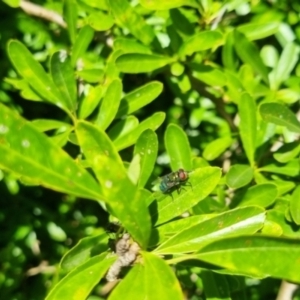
(156, 184)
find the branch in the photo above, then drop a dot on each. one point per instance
(41, 12)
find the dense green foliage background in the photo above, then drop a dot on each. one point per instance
(133, 90)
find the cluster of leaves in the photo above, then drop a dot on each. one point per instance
(234, 89)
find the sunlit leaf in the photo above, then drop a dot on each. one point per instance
(35, 75)
(279, 114)
(201, 41)
(73, 287)
(255, 256)
(248, 125)
(30, 154)
(147, 147)
(141, 63)
(239, 175)
(178, 148)
(152, 279)
(236, 222)
(122, 196)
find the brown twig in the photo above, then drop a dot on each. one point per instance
(41, 12)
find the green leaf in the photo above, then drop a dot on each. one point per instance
(35, 75)
(90, 101)
(249, 54)
(70, 16)
(141, 63)
(289, 169)
(25, 90)
(63, 76)
(165, 231)
(295, 205)
(30, 154)
(247, 220)
(288, 96)
(43, 125)
(100, 21)
(139, 98)
(239, 176)
(208, 74)
(82, 42)
(167, 4)
(201, 41)
(128, 139)
(79, 283)
(130, 46)
(124, 201)
(153, 279)
(285, 65)
(130, 19)
(279, 216)
(215, 285)
(84, 250)
(279, 114)
(13, 3)
(261, 195)
(146, 147)
(123, 127)
(287, 152)
(284, 186)
(110, 104)
(228, 53)
(91, 75)
(254, 256)
(256, 31)
(178, 148)
(182, 24)
(215, 148)
(202, 182)
(248, 125)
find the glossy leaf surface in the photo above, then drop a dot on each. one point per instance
(201, 41)
(216, 148)
(281, 115)
(178, 148)
(141, 63)
(152, 279)
(295, 205)
(139, 98)
(30, 154)
(110, 104)
(35, 75)
(63, 76)
(166, 4)
(129, 138)
(236, 222)
(72, 286)
(238, 176)
(83, 250)
(127, 16)
(82, 42)
(261, 195)
(122, 196)
(249, 54)
(70, 15)
(255, 256)
(146, 147)
(248, 125)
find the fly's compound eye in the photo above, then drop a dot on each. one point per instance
(182, 174)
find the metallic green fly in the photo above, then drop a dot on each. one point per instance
(173, 181)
